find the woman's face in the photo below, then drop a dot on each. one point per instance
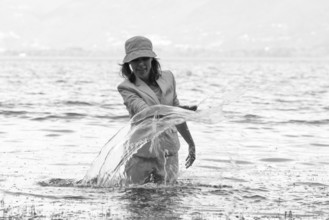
(141, 67)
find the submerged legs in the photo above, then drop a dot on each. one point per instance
(140, 170)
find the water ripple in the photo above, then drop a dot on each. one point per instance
(73, 197)
(228, 161)
(77, 103)
(276, 160)
(320, 145)
(59, 130)
(13, 112)
(307, 122)
(310, 184)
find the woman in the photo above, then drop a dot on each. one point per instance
(146, 85)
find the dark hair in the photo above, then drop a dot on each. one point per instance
(154, 74)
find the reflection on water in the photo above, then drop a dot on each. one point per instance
(267, 159)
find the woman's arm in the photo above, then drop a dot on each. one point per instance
(185, 132)
(132, 101)
(189, 107)
(183, 129)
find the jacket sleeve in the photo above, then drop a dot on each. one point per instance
(175, 101)
(133, 102)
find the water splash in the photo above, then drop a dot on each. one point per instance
(108, 169)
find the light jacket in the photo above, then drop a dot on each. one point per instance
(138, 96)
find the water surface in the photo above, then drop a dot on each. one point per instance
(267, 159)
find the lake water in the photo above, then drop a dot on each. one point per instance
(268, 159)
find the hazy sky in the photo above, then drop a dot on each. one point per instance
(226, 24)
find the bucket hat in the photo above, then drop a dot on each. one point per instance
(136, 47)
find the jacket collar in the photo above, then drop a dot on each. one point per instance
(146, 89)
(162, 83)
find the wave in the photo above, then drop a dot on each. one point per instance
(73, 116)
(78, 103)
(240, 162)
(320, 145)
(69, 115)
(311, 184)
(113, 116)
(307, 122)
(59, 130)
(276, 160)
(58, 182)
(13, 113)
(47, 196)
(251, 118)
(287, 101)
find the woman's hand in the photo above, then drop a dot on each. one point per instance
(191, 156)
(189, 107)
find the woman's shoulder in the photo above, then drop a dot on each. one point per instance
(167, 74)
(125, 84)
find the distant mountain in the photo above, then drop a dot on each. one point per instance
(183, 25)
